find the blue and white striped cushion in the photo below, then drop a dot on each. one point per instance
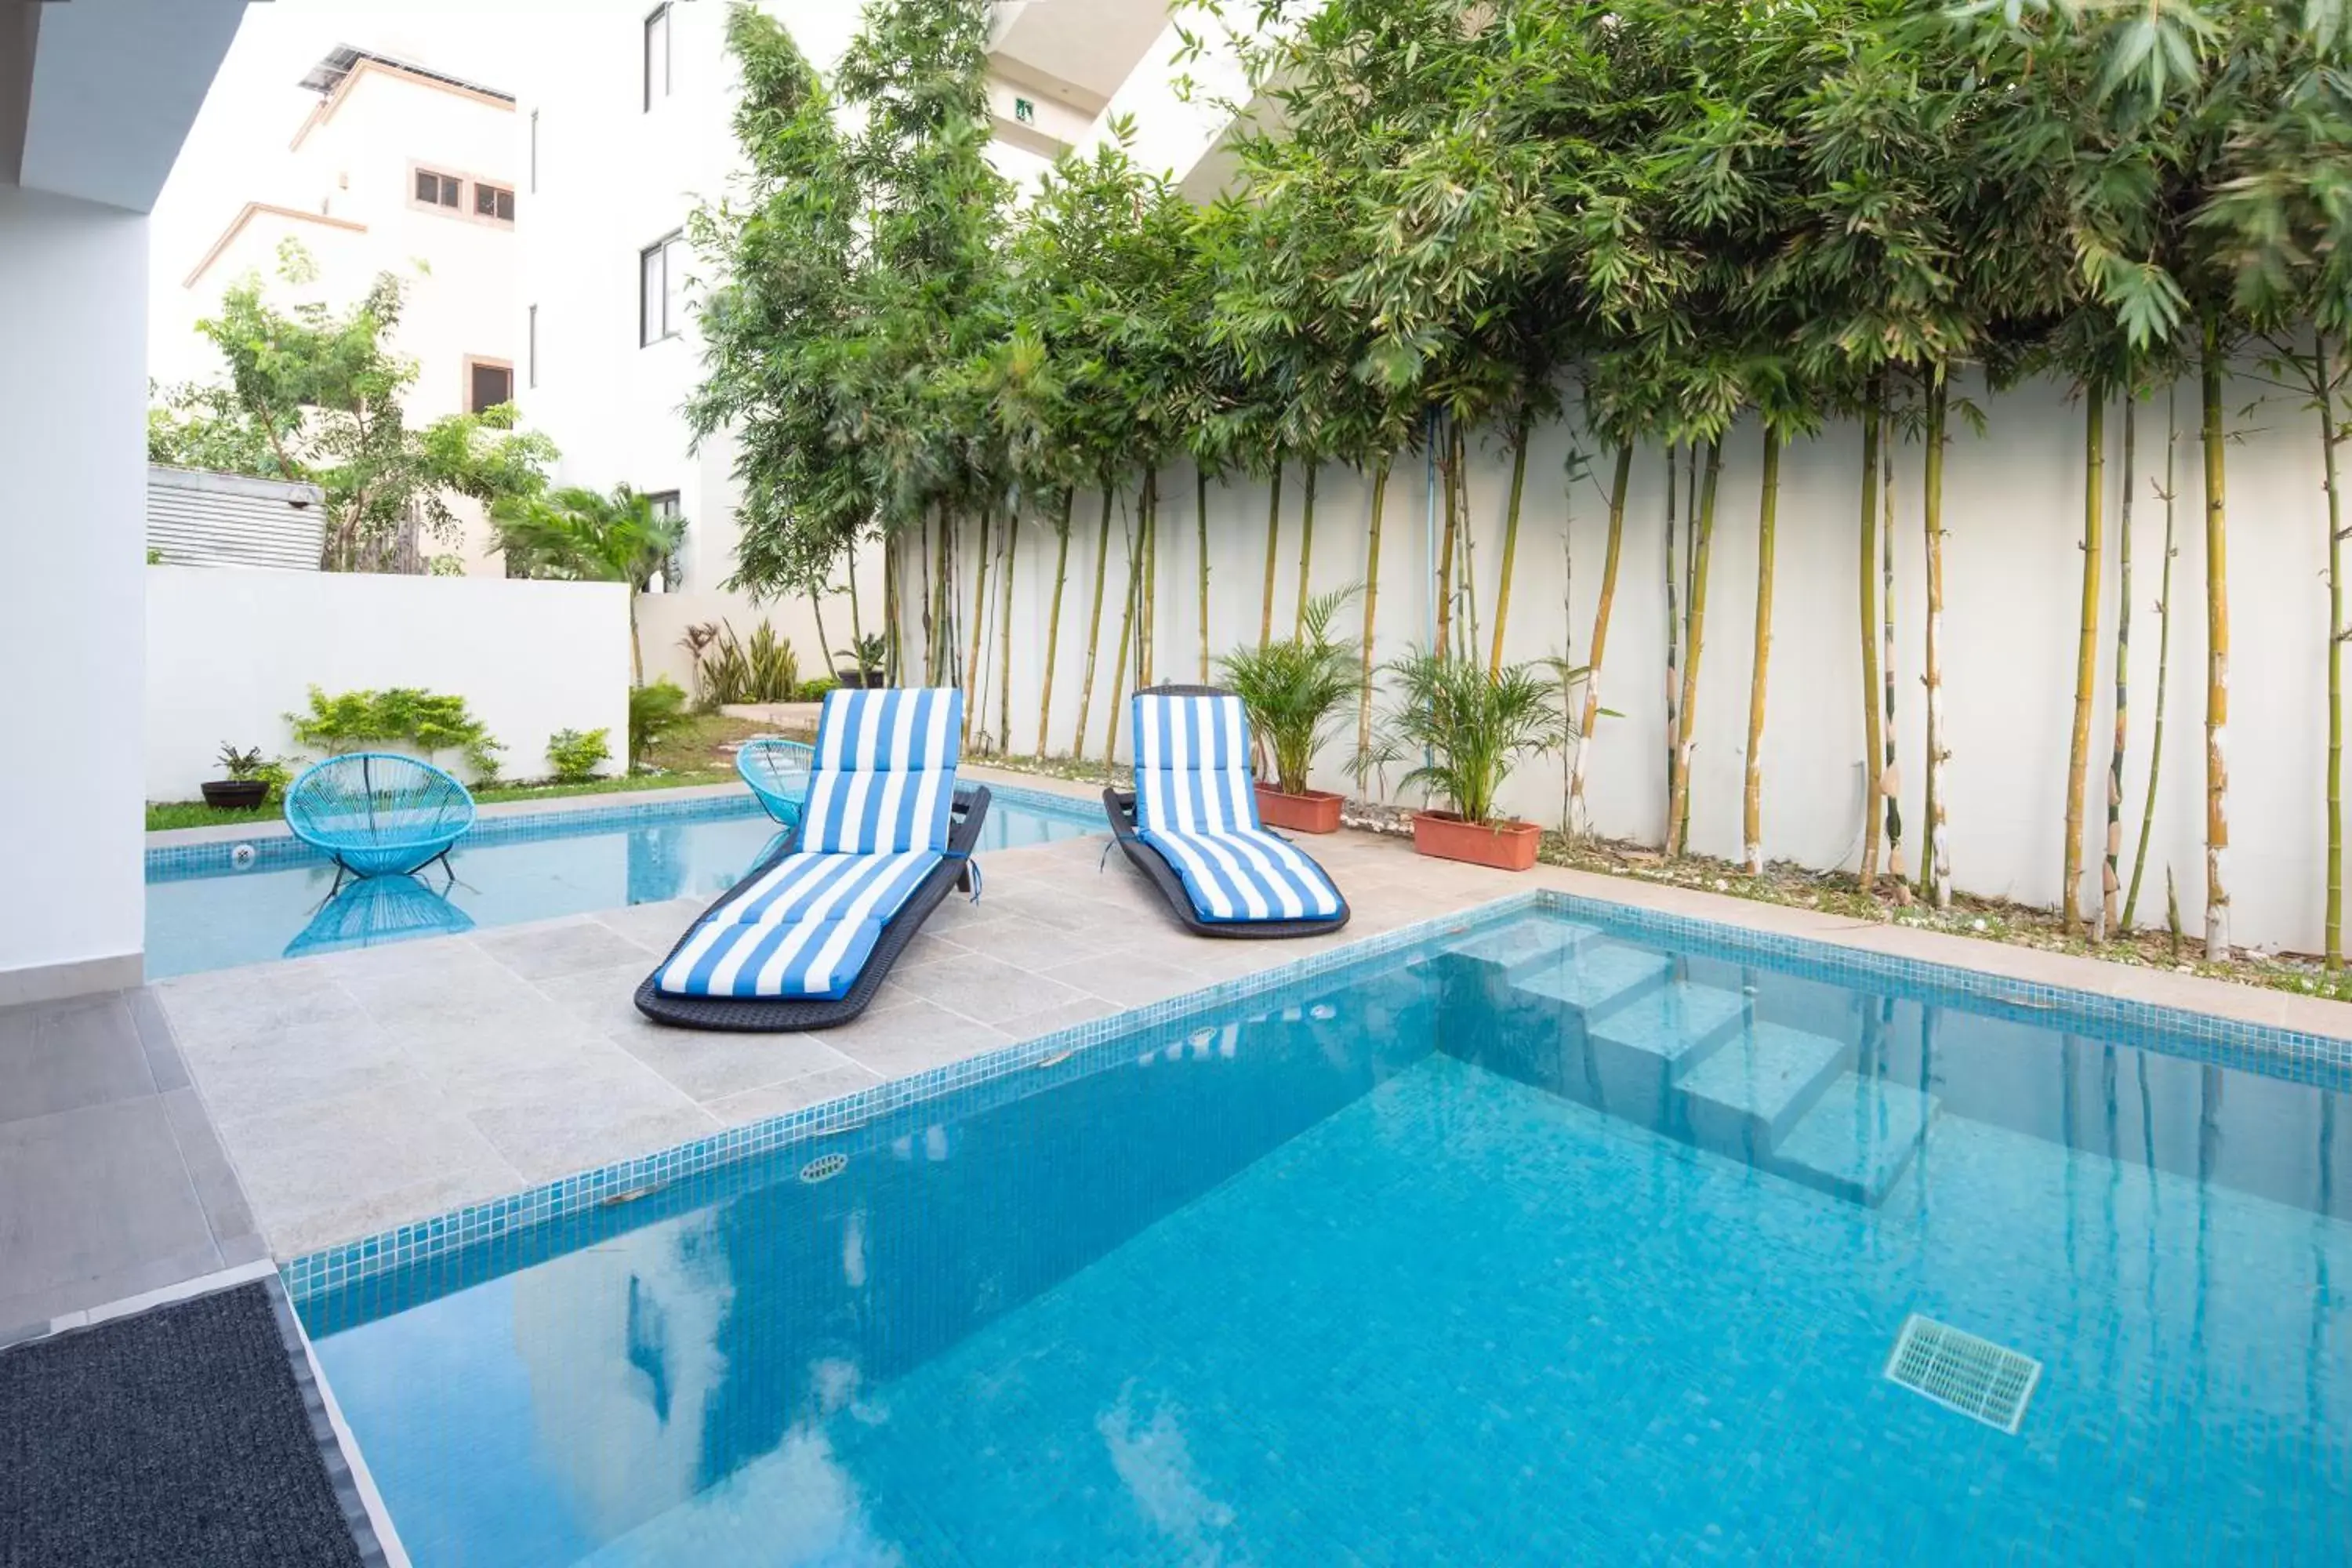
(875, 825)
(883, 774)
(1195, 805)
(803, 931)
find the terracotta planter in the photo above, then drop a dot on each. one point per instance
(1315, 810)
(1505, 846)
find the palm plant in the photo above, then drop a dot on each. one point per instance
(1473, 726)
(1294, 689)
(580, 535)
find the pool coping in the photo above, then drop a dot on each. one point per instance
(195, 853)
(2294, 1054)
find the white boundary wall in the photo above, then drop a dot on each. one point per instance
(230, 651)
(2012, 590)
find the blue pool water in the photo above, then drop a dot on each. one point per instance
(205, 911)
(1534, 1244)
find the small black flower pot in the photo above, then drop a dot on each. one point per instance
(851, 680)
(235, 794)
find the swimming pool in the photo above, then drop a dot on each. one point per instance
(1564, 1238)
(210, 908)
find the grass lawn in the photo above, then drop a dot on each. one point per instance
(700, 752)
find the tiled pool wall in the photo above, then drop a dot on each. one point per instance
(1032, 1065)
(273, 848)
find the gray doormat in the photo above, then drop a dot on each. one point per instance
(175, 1437)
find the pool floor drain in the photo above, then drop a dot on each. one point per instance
(823, 1168)
(1982, 1380)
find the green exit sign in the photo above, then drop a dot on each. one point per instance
(1024, 111)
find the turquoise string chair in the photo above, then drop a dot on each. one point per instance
(778, 773)
(378, 814)
(377, 909)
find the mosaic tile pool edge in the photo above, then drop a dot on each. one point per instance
(1074, 1051)
(274, 847)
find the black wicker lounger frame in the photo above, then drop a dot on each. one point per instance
(785, 1014)
(1120, 805)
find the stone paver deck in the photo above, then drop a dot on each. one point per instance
(361, 1091)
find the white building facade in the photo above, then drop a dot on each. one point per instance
(628, 130)
(396, 168)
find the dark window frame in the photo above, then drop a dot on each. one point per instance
(654, 303)
(496, 193)
(656, 18)
(669, 504)
(475, 365)
(449, 191)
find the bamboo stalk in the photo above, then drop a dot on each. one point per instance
(1465, 574)
(1273, 546)
(1694, 642)
(1934, 855)
(2217, 652)
(2163, 659)
(1005, 636)
(1890, 779)
(857, 622)
(1510, 537)
(1126, 627)
(1445, 545)
(1752, 797)
(979, 615)
(1146, 604)
(824, 658)
(1674, 658)
(2110, 875)
(1578, 815)
(890, 546)
(1201, 529)
(1094, 630)
(2086, 651)
(1305, 551)
(1872, 396)
(1054, 616)
(2323, 383)
(1371, 603)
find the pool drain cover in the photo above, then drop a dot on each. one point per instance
(1979, 1379)
(823, 1168)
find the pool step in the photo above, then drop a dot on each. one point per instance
(1858, 1138)
(1745, 1096)
(1641, 1046)
(1594, 977)
(1523, 946)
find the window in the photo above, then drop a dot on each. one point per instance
(665, 505)
(534, 152)
(656, 56)
(493, 202)
(530, 347)
(661, 290)
(488, 383)
(436, 190)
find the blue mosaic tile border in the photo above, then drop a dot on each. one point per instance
(959, 1087)
(273, 848)
(1035, 1065)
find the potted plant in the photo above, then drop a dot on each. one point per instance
(865, 667)
(247, 784)
(1292, 690)
(1472, 727)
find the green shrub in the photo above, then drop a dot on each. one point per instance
(763, 669)
(813, 691)
(654, 713)
(1470, 726)
(577, 756)
(397, 716)
(1294, 689)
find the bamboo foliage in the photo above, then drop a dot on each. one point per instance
(1705, 215)
(2163, 667)
(2110, 874)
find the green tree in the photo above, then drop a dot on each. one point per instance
(582, 536)
(320, 390)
